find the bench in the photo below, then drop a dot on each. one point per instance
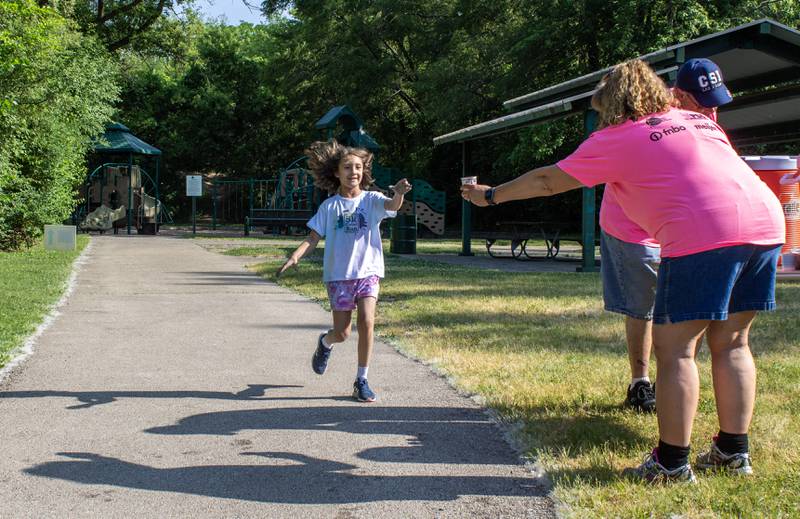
(519, 232)
(276, 220)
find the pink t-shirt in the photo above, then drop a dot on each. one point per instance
(677, 177)
(615, 222)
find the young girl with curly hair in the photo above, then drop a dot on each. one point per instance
(353, 260)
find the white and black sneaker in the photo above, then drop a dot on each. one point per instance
(714, 459)
(652, 471)
(642, 397)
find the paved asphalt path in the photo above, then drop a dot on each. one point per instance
(176, 384)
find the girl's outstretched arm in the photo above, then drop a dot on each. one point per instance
(400, 189)
(308, 245)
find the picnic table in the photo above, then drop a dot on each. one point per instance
(519, 232)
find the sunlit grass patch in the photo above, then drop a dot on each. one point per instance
(31, 281)
(539, 349)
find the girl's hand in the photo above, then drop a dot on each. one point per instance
(402, 187)
(475, 194)
(291, 262)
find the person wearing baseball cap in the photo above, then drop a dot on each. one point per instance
(699, 87)
(631, 257)
(677, 177)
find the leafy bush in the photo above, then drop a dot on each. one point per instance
(57, 87)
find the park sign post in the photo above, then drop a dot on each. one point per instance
(194, 188)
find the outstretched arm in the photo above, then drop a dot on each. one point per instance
(308, 245)
(544, 181)
(400, 189)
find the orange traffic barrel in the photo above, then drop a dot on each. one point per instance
(771, 169)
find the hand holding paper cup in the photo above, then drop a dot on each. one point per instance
(469, 181)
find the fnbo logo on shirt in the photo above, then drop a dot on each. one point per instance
(657, 136)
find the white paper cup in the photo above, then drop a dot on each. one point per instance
(469, 181)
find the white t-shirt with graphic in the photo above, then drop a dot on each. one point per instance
(351, 228)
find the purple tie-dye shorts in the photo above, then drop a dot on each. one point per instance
(344, 294)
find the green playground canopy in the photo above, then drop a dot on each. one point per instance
(119, 139)
(339, 115)
(760, 62)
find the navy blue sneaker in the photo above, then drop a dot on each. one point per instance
(319, 362)
(362, 392)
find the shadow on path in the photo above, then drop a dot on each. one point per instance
(284, 477)
(93, 398)
(433, 434)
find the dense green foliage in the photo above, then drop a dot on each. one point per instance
(56, 92)
(240, 101)
(118, 24)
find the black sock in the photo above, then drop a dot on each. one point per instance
(672, 456)
(732, 443)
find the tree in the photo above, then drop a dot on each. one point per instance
(116, 23)
(216, 109)
(57, 89)
(242, 101)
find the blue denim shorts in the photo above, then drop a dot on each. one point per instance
(629, 272)
(712, 284)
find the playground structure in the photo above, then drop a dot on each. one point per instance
(105, 192)
(121, 194)
(284, 204)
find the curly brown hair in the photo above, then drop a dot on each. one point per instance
(324, 158)
(629, 92)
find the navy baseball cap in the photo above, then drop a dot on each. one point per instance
(702, 78)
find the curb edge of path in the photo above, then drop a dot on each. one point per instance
(508, 430)
(21, 353)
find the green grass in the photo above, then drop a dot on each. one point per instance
(31, 281)
(541, 351)
(252, 246)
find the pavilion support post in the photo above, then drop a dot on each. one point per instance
(466, 207)
(588, 214)
(158, 198)
(130, 191)
(252, 197)
(213, 206)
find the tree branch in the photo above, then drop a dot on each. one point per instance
(412, 104)
(124, 9)
(147, 23)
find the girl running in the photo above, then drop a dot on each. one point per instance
(353, 260)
